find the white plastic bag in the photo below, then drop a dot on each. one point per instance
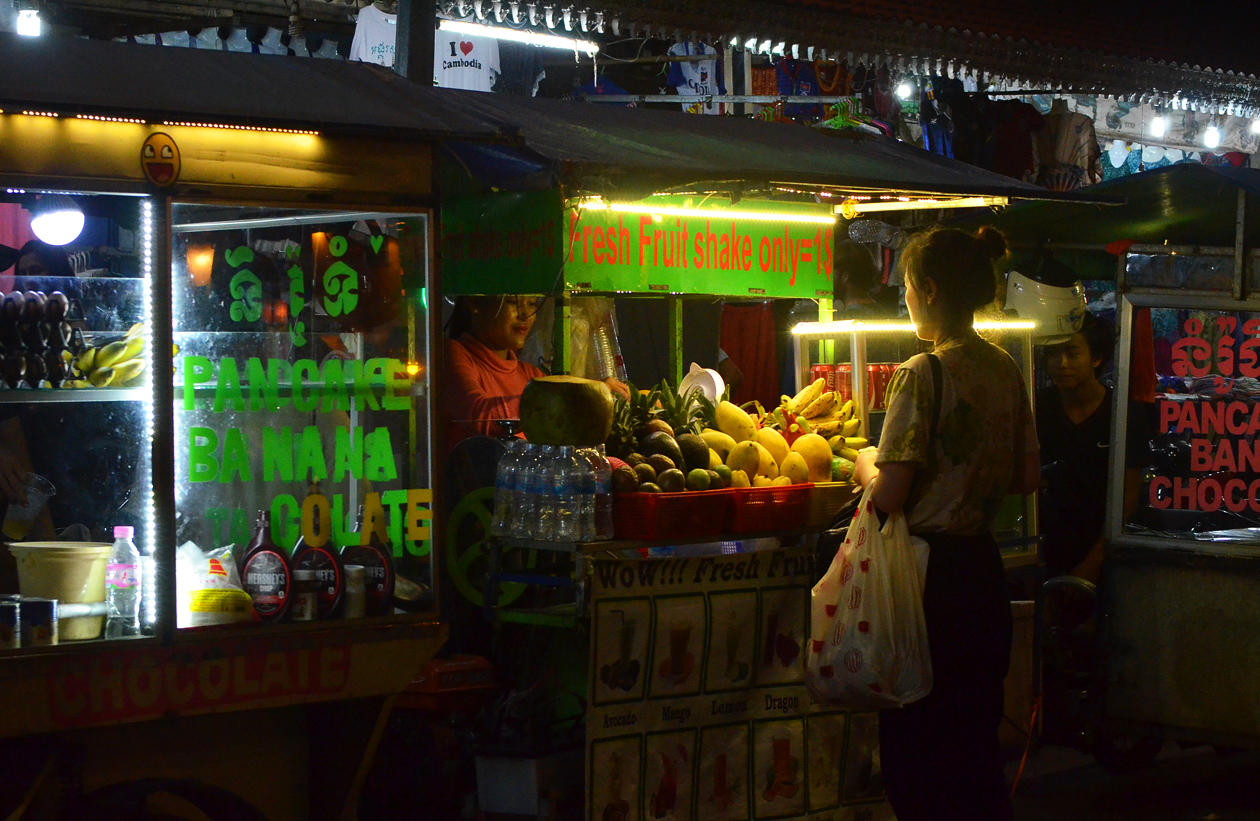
(868, 639)
(208, 588)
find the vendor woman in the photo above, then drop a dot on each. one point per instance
(485, 378)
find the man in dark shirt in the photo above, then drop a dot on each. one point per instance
(1074, 429)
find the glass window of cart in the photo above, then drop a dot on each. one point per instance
(1200, 464)
(302, 416)
(76, 412)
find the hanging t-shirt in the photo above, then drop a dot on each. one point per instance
(696, 77)
(461, 61)
(797, 77)
(375, 36)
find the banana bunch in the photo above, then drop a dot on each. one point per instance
(115, 365)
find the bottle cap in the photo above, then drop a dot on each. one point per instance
(356, 571)
(124, 531)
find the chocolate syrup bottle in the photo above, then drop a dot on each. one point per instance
(378, 565)
(265, 572)
(328, 571)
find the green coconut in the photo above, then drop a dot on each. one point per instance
(566, 410)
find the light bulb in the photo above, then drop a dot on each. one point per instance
(904, 90)
(1255, 126)
(1159, 126)
(1211, 137)
(28, 23)
(57, 220)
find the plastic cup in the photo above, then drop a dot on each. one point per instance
(68, 572)
(18, 518)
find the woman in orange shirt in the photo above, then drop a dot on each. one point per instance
(485, 378)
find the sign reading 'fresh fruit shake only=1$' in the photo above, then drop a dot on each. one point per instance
(606, 250)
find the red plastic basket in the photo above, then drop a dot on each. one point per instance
(769, 509)
(693, 515)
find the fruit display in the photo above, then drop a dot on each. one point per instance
(672, 443)
(41, 349)
(815, 424)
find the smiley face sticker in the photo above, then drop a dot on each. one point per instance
(159, 159)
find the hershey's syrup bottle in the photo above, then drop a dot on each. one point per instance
(265, 572)
(327, 565)
(378, 565)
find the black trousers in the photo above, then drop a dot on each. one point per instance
(940, 756)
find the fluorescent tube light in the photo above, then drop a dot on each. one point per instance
(529, 37)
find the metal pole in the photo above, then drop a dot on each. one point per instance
(675, 305)
(413, 50)
(1240, 245)
(162, 448)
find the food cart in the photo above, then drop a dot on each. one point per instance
(694, 626)
(246, 331)
(1176, 602)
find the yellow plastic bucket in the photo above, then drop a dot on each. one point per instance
(68, 572)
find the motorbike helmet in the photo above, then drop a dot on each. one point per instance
(1053, 298)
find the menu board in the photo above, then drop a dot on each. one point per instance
(698, 706)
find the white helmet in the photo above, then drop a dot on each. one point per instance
(1057, 309)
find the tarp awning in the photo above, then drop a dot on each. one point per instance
(632, 148)
(69, 74)
(1186, 204)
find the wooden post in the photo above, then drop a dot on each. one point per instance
(413, 50)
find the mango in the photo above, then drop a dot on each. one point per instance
(744, 457)
(773, 441)
(739, 479)
(762, 481)
(817, 454)
(735, 422)
(715, 461)
(718, 441)
(794, 468)
(780, 481)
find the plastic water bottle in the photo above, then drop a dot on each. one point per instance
(505, 479)
(565, 481)
(523, 508)
(123, 585)
(541, 521)
(603, 494)
(586, 493)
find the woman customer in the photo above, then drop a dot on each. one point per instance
(949, 451)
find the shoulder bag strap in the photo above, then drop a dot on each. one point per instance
(936, 392)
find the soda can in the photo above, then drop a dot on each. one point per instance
(842, 378)
(38, 621)
(825, 372)
(10, 623)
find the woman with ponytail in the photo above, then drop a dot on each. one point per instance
(958, 437)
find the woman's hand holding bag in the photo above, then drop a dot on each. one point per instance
(868, 639)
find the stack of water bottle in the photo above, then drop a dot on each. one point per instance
(553, 493)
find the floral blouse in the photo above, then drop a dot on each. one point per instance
(964, 473)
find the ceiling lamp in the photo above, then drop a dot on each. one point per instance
(1211, 137)
(1255, 126)
(1159, 126)
(57, 219)
(904, 90)
(28, 23)
(528, 37)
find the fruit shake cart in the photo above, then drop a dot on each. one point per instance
(693, 619)
(1178, 598)
(230, 347)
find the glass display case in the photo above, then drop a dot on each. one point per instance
(837, 350)
(77, 411)
(302, 413)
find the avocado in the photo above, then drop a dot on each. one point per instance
(695, 451)
(661, 463)
(672, 481)
(625, 480)
(645, 472)
(663, 443)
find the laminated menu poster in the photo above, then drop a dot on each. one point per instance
(698, 707)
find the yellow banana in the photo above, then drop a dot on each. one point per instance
(820, 406)
(846, 411)
(856, 442)
(120, 351)
(847, 453)
(851, 427)
(836, 442)
(135, 330)
(126, 372)
(831, 427)
(808, 394)
(86, 360)
(76, 383)
(100, 377)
